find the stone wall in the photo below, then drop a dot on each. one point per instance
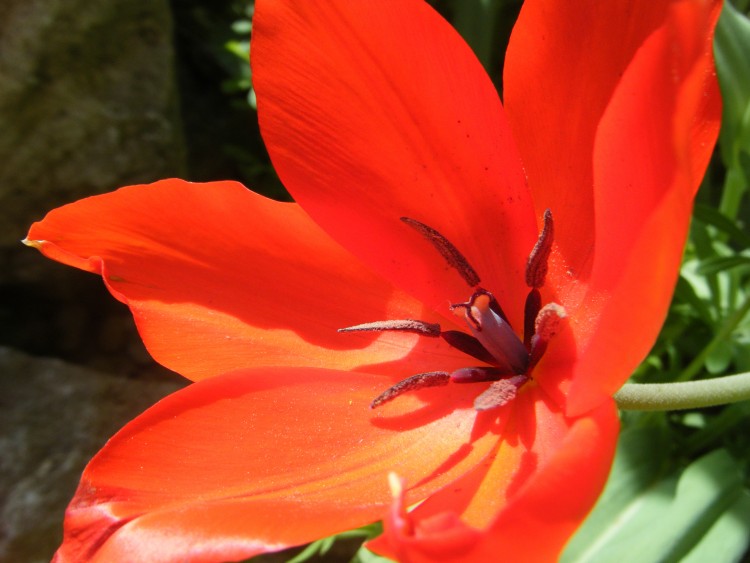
(88, 103)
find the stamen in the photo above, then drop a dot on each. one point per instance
(492, 340)
(405, 325)
(546, 326)
(495, 335)
(499, 393)
(478, 375)
(452, 255)
(530, 312)
(468, 345)
(536, 267)
(413, 383)
(548, 320)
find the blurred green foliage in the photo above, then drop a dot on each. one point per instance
(239, 47)
(221, 130)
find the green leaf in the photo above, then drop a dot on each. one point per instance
(703, 243)
(725, 425)
(316, 548)
(634, 480)
(731, 48)
(240, 49)
(728, 538)
(685, 293)
(715, 218)
(720, 357)
(666, 519)
(320, 547)
(242, 27)
(706, 494)
(364, 555)
(721, 263)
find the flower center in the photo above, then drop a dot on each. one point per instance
(508, 360)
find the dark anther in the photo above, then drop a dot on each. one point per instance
(413, 383)
(406, 325)
(468, 345)
(479, 374)
(451, 254)
(536, 267)
(530, 311)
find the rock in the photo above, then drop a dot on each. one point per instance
(88, 103)
(53, 418)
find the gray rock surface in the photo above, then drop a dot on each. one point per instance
(88, 103)
(53, 418)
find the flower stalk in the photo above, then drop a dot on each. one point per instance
(685, 394)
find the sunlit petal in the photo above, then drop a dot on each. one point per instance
(220, 278)
(372, 111)
(259, 460)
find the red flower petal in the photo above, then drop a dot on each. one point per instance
(561, 68)
(560, 494)
(376, 110)
(645, 109)
(220, 278)
(544, 479)
(259, 460)
(645, 192)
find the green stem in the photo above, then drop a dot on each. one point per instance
(684, 395)
(734, 189)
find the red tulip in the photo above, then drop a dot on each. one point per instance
(419, 199)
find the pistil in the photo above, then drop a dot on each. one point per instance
(494, 333)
